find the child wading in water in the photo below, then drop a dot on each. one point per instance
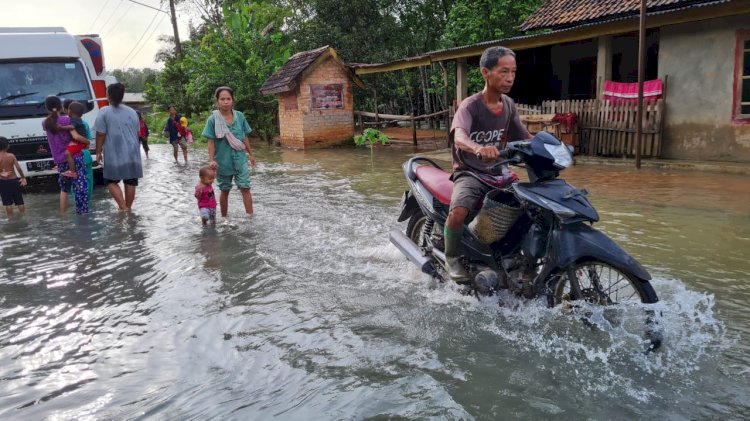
(204, 192)
(143, 132)
(77, 145)
(10, 184)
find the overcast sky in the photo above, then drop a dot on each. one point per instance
(121, 24)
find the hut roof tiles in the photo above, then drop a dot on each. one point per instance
(289, 76)
(560, 14)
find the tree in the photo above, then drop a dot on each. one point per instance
(242, 53)
(473, 21)
(134, 79)
(242, 42)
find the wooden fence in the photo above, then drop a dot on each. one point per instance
(384, 119)
(608, 128)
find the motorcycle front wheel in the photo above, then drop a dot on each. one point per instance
(600, 283)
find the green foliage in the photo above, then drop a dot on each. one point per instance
(473, 21)
(240, 43)
(371, 137)
(134, 79)
(241, 54)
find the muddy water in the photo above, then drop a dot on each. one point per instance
(305, 311)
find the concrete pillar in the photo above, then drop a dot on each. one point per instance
(462, 83)
(603, 63)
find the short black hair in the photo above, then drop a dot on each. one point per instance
(76, 108)
(4, 145)
(66, 103)
(115, 93)
(492, 55)
(205, 171)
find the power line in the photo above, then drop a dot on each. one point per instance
(101, 10)
(150, 7)
(110, 16)
(147, 39)
(139, 39)
(122, 16)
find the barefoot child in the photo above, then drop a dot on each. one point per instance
(143, 132)
(204, 192)
(10, 184)
(76, 145)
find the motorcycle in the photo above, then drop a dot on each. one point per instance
(532, 238)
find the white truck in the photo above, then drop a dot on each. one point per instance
(35, 63)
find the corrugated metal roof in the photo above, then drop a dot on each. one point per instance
(131, 97)
(284, 79)
(557, 14)
(448, 53)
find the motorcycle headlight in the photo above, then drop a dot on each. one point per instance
(562, 156)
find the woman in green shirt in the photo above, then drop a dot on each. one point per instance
(229, 149)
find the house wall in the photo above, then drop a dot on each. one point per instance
(290, 120)
(699, 59)
(305, 127)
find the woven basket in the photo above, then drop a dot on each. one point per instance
(494, 219)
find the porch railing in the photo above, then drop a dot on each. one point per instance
(608, 128)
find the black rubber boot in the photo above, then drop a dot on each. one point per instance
(453, 266)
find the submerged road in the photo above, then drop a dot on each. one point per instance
(305, 311)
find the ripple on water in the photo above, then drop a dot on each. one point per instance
(306, 311)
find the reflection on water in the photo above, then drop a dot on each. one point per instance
(304, 311)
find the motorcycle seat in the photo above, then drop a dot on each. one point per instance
(437, 182)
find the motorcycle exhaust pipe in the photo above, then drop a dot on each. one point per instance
(411, 251)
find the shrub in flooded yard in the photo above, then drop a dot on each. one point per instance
(370, 137)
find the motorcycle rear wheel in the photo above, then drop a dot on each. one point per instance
(415, 228)
(602, 284)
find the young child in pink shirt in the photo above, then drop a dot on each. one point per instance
(204, 192)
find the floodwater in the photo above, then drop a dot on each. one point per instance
(305, 311)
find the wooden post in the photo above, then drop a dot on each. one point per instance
(377, 120)
(641, 71)
(462, 82)
(445, 94)
(413, 130)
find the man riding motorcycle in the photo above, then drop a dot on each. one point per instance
(483, 123)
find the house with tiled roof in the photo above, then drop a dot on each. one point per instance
(700, 48)
(316, 103)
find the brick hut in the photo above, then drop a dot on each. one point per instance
(316, 103)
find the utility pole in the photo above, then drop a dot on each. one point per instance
(173, 15)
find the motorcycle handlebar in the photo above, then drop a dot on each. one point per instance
(504, 152)
(498, 168)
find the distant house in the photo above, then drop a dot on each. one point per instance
(316, 103)
(137, 101)
(702, 48)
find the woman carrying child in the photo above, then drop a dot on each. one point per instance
(229, 149)
(176, 133)
(58, 140)
(75, 111)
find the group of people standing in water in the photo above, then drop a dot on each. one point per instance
(119, 134)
